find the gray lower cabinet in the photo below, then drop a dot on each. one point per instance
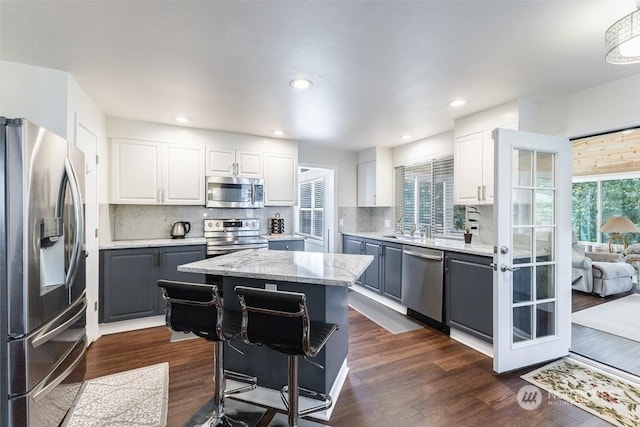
(287, 245)
(392, 271)
(128, 278)
(384, 274)
(469, 294)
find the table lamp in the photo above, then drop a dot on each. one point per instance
(616, 225)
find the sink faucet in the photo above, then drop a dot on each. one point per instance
(412, 230)
(399, 223)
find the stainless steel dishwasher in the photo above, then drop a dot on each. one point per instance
(422, 281)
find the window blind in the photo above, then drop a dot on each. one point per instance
(424, 196)
(311, 208)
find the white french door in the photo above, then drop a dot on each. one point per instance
(532, 268)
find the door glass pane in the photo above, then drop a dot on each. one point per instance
(522, 324)
(522, 245)
(545, 245)
(533, 241)
(522, 209)
(522, 175)
(544, 207)
(522, 285)
(545, 320)
(545, 282)
(545, 170)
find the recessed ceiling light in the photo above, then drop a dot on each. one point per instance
(181, 119)
(300, 83)
(627, 131)
(407, 136)
(278, 132)
(457, 102)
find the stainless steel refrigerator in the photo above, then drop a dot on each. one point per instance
(42, 258)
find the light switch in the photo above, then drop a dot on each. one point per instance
(271, 286)
(387, 223)
(341, 222)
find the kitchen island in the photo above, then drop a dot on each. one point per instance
(324, 278)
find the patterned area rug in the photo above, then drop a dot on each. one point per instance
(132, 398)
(601, 393)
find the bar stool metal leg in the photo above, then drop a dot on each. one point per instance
(293, 391)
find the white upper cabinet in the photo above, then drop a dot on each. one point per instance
(473, 173)
(152, 173)
(375, 178)
(473, 169)
(223, 161)
(183, 177)
(280, 179)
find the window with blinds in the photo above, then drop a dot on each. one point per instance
(311, 208)
(424, 196)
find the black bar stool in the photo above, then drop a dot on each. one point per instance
(280, 320)
(197, 308)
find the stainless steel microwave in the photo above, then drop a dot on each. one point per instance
(232, 192)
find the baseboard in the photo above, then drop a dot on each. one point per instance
(271, 398)
(131, 325)
(471, 341)
(380, 299)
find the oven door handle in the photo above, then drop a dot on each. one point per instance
(253, 193)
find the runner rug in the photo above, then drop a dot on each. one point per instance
(601, 393)
(135, 398)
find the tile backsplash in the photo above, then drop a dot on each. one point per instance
(133, 222)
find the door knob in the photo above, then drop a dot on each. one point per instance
(504, 267)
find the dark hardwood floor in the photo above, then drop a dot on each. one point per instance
(612, 350)
(419, 378)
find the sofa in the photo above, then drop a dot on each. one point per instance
(601, 273)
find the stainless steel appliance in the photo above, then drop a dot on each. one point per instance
(224, 236)
(180, 229)
(422, 282)
(42, 288)
(232, 192)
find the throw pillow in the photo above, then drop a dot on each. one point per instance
(633, 249)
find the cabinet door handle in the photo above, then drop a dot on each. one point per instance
(479, 193)
(484, 193)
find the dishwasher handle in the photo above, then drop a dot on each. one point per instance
(416, 254)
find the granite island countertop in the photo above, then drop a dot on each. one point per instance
(433, 243)
(302, 267)
(150, 243)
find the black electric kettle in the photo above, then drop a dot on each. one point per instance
(180, 229)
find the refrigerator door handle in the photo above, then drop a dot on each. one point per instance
(55, 328)
(69, 177)
(48, 384)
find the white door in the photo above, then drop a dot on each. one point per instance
(88, 143)
(532, 277)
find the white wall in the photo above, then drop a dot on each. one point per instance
(610, 106)
(345, 164)
(34, 93)
(429, 148)
(130, 129)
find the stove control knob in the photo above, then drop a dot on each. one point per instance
(217, 224)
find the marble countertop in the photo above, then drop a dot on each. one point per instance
(303, 267)
(433, 243)
(282, 237)
(148, 243)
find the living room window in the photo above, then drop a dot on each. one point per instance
(597, 198)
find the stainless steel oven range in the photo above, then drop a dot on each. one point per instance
(224, 236)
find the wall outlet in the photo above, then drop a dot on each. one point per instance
(271, 286)
(340, 222)
(387, 223)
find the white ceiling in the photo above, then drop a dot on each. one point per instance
(380, 69)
